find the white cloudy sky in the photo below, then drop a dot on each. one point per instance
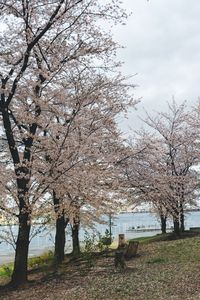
(162, 40)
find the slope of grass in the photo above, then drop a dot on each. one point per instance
(41, 263)
(165, 237)
(167, 269)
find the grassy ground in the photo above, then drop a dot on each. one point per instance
(162, 270)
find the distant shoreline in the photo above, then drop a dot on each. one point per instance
(148, 211)
(121, 212)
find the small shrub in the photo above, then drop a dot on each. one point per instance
(6, 270)
(90, 242)
(42, 260)
(96, 242)
(105, 240)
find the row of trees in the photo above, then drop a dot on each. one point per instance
(60, 96)
(62, 151)
(165, 168)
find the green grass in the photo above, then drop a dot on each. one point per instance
(165, 237)
(166, 268)
(163, 270)
(43, 260)
(144, 240)
(157, 260)
(6, 270)
(38, 262)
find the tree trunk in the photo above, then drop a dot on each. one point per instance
(19, 275)
(182, 218)
(60, 239)
(75, 238)
(163, 220)
(23, 167)
(176, 227)
(61, 223)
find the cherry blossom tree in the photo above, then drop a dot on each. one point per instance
(164, 172)
(86, 142)
(179, 138)
(41, 41)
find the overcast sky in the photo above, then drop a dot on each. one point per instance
(162, 40)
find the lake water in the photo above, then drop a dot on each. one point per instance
(121, 223)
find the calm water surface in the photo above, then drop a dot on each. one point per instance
(121, 223)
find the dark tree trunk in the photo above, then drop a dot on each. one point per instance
(75, 238)
(176, 227)
(60, 239)
(61, 224)
(23, 175)
(182, 218)
(163, 220)
(19, 275)
(22, 166)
